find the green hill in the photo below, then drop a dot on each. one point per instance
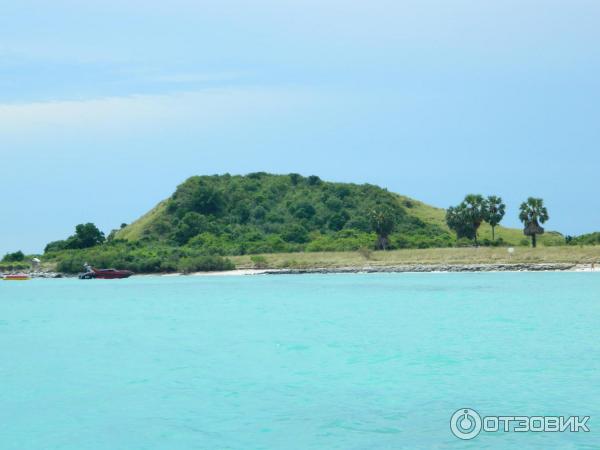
(263, 213)
(210, 218)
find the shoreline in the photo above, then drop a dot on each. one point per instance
(396, 268)
(409, 268)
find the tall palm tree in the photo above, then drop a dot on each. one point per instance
(533, 212)
(494, 212)
(383, 222)
(475, 207)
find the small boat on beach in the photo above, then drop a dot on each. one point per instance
(17, 277)
(104, 274)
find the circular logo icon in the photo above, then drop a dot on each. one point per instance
(465, 423)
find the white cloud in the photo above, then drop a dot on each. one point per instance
(206, 108)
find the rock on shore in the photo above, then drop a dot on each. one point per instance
(522, 267)
(35, 274)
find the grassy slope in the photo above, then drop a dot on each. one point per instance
(481, 255)
(133, 231)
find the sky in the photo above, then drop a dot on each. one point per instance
(106, 106)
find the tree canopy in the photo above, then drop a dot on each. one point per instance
(466, 218)
(494, 212)
(86, 235)
(383, 221)
(17, 256)
(533, 213)
(261, 212)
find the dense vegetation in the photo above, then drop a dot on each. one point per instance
(14, 261)
(211, 218)
(584, 239)
(139, 257)
(86, 235)
(262, 213)
(17, 256)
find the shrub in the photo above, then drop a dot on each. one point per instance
(294, 233)
(17, 256)
(86, 235)
(313, 180)
(190, 225)
(259, 261)
(71, 264)
(303, 210)
(338, 220)
(496, 243)
(55, 246)
(13, 266)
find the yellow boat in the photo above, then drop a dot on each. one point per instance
(17, 277)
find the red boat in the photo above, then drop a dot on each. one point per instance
(112, 273)
(105, 274)
(17, 277)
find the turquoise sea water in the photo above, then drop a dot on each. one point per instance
(296, 362)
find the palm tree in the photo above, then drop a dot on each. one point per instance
(533, 212)
(465, 218)
(494, 212)
(383, 222)
(458, 221)
(475, 206)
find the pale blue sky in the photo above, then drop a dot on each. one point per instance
(105, 106)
